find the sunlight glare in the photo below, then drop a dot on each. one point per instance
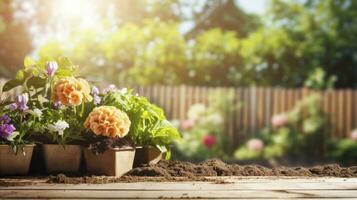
(81, 13)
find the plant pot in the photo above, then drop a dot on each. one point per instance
(147, 155)
(113, 162)
(62, 159)
(12, 163)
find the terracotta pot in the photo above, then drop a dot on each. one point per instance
(113, 162)
(12, 163)
(147, 155)
(60, 158)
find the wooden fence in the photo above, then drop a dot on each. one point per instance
(258, 106)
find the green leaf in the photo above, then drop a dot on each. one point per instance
(20, 75)
(28, 62)
(14, 134)
(11, 84)
(36, 82)
(65, 62)
(64, 73)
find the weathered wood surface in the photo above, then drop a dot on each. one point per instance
(234, 188)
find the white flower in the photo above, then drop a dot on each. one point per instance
(196, 111)
(214, 118)
(36, 112)
(123, 91)
(59, 127)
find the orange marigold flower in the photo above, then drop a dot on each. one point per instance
(108, 121)
(71, 91)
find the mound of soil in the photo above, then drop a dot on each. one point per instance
(215, 167)
(186, 171)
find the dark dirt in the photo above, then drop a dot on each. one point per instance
(215, 167)
(178, 171)
(186, 171)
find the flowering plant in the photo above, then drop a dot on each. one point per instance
(202, 132)
(343, 150)
(52, 103)
(17, 121)
(122, 118)
(292, 134)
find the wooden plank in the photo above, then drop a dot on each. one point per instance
(246, 111)
(191, 186)
(268, 106)
(182, 104)
(178, 194)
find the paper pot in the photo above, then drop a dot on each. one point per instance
(12, 163)
(59, 159)
(147, 155)
(113, 162)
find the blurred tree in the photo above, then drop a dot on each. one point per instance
(152, 53)
(215, 59)
(304, 43)
(224, 14)
(307, 35)
(14, 40)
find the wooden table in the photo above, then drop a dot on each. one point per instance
(228, 188)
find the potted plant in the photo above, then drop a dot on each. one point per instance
(52, 87)
(110, 152)
(18, 121)
(150, 132)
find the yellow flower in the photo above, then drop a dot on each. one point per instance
(71, 91)
(108, 121)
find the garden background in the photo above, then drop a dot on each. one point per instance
(239, 85)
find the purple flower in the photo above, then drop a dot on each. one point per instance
(57, 104)
(110, 88)
(51, 68)
(12, 106)
(6, 130)
(97, 99)
(95, 91)
(5, 119)
(21, 102)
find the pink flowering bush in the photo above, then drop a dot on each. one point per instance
(297, 133)
(354, 135)
(209, 141)
(203, 131)
(255, 144)
(280, 120)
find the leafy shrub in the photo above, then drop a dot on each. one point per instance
(297, 133)
(203, 130)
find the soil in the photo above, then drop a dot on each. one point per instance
(186, 171)
(176, 171)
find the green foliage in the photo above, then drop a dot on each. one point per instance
(33, 75)
(148, 122)
(303, 135)
(343, 151)
(32, 124)
(203, 130)
(317, 80)
(147, 54)
(215, 54)
(226, 15)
